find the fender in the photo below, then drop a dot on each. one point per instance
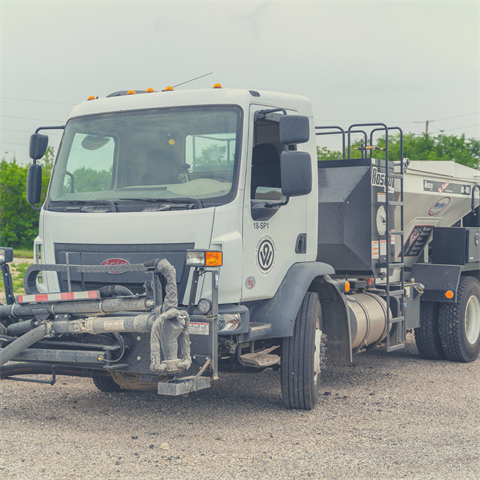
(281, 310)
(437, 279)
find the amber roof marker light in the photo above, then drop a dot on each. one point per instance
(150, 90)
(91, 97)
(131, 92)
(218, 85)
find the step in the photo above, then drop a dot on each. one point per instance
(392, 348)
(260, 360)
(394, 203)
(391, 265)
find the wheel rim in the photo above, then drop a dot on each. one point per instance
(472, 319)
(318, 351)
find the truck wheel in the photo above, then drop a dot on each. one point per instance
(459, 323)
(302, 357)
(106, 384)
(427, 336)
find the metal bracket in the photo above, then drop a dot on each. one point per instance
(52, 381)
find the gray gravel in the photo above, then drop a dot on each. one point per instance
(387, 416)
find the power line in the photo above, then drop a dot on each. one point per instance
(40, 101)
(26, 131)
(458, 128)
(14, 143)
(458, 116)
(26, 118)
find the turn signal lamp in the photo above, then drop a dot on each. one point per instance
(131, 92)
(91, 97)
(217, 85)
(169, 89)
(204, 258)
(150, 90)
(347, 286)
(449, 294)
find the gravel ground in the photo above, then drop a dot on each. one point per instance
(386, 416)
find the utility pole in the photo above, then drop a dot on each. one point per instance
(426, 128)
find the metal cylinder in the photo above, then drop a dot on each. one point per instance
(368, 319)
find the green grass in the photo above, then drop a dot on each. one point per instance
(23, 252)
(18, 273)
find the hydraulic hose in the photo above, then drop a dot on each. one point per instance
(25, 341)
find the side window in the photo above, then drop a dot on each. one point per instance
(90, 164)
(265, 179)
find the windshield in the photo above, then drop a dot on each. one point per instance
(150, 155)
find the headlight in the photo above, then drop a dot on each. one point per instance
(204, 258)
(6, 255)
(228, 321)
(204, 305)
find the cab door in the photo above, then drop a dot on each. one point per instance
(270, 245)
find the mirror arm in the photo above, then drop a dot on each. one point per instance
(34, 207)
(58, 127)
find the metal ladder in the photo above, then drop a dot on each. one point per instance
(395, 325)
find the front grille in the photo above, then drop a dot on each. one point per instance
(86, 254)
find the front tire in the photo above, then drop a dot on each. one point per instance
(106, 384)
(459, 323)
(302, 357)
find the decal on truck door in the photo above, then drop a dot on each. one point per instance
(265, 254)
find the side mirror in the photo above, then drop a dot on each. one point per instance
(38, 146)
(296, 173)
(294, 129)
(34, 184)
(6, 255)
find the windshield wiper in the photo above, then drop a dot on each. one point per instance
(110, 203)
(196, 201)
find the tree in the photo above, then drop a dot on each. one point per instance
(424, 147)
(18, 220)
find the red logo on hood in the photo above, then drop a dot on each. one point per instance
(115, 261)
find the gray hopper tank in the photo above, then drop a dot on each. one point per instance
(351, 226)
(351, 197)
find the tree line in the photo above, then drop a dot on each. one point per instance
(19, 221)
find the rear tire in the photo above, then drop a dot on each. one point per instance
(106, 384)
(459, 323)
(427, 336)
(302, 357)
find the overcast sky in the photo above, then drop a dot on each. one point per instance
(398, 62)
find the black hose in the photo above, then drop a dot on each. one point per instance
(25, 341)
(20, 328)
(115, 290)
